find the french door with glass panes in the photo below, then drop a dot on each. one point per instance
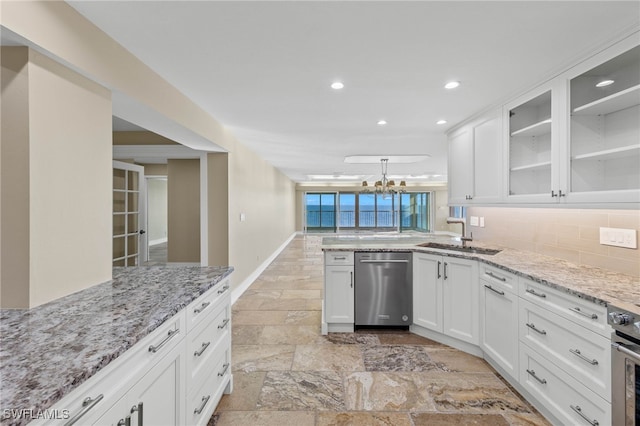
(129, 218)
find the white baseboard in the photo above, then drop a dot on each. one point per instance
(158, 241)
(244, 285)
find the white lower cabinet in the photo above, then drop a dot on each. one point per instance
(338, 306)
(499, 322)
(567, 399)
(446, 295)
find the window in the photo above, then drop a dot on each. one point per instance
(350, 211)
(321, 212)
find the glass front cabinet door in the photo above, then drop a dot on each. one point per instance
(604, 129)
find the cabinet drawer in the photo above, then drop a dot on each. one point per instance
(580, 311)
(199, 308)
(568, 400)
(204, 343)
(498, 278)
(338, 258)
(202, 402)
(108, 385)
(580, 352)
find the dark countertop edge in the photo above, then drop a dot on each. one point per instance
(60, 392)
(491, 262)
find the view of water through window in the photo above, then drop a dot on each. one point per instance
(329, 212)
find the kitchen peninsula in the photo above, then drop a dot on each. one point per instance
(541, 322)
(102, 342)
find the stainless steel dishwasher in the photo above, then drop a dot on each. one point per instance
(383, 289)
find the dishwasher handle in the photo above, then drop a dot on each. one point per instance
(384, 261)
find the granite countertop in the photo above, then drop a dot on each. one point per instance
(598, 285)
(49, 350)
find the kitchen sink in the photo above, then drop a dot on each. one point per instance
(473, 250)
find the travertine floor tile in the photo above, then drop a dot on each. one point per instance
(352, 339)
(245, 334)
(250, 358)
(439, 419)
(397, 358)
(264, 418)
(288, 334)
(363, 419)
(246, 391)
(283, 304)
(259, 317)
(525, 419)
(302, 390)
(381, 391)
(406, 338)
(457, 361)
(301, 294)
(327, 358)
(303, 318)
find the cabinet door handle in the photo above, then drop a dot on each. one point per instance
(578, 410)
(138, 408)
(501, 293)
(123, 422)
(492, 275)
(88, 404)
(225, 288)
(532, 373)
(532, 291)
(339, 258)
(201, 308)
(445, 270)
(577, 353)
(170, 334)
(534, 328)
(224, 323)
(579, 312)
(560, 193)
(553, 193)
(224, 370)
(205, 399)
(202, 349)
(439, 275)
(351, 280)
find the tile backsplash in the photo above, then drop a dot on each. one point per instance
(570, 234)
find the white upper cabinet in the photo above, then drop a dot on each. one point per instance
(604, 130)
(475, 161)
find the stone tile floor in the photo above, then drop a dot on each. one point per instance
(286, 373)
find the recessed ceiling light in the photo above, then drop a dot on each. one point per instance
(382, 123)
(452, 85)
(337, 85)
(441, 122)
(604, 83)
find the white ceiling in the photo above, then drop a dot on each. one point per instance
(264, 68)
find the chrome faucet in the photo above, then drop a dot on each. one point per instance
(462, 222)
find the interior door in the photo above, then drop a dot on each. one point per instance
(129, 215)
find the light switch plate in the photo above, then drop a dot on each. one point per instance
(243, 217)
(619, 237)
(481, 221)
(473, 221)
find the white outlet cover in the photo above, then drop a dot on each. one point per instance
(474, 221)
(481, 221)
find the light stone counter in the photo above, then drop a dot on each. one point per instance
(48, 351)
(598, 285)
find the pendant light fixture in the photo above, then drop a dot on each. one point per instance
(384, 186)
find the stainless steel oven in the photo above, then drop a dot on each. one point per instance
(625, 367)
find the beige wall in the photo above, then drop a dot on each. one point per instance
(267, 198)
(68, 186)
(570, 234)
(218, 209)
(140, 138)
(155, 169)
(183, 221)
(441, 210)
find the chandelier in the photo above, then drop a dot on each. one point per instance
(384, 186)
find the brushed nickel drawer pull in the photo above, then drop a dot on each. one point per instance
(532, 291)
(138, 408)
(202, 349)
(533, 374)
(201, 308)
(170, 334)
(439, 274)
(578, 410)
(205, 399)
(579, 312)
(577, 353)
(339, 258)
(88, 404)
(495, 276)
(224, 323)
(225, 288)
(536, 329)
(224, 370)
(501, 293)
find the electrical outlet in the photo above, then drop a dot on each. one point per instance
(481, 221)
(473, 221)
(619, 237)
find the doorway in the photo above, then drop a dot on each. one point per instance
(129, 244)
(157, 213)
